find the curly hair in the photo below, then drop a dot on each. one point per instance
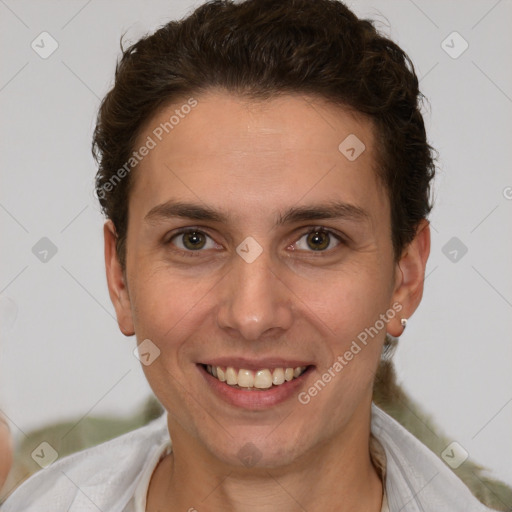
(260, 49)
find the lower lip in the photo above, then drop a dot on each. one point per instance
(254, 399)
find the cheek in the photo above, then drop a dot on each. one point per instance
(349, 310)
(173, 312)
(163, 299)
(168, 310)
(347, 301)
(351, 307)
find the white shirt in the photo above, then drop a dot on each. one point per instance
(114, 476)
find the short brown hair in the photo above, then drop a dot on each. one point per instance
(260, 49)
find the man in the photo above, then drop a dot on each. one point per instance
(265, 174)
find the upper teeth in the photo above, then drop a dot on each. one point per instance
(262, 379)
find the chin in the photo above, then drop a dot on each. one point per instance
(256, 447)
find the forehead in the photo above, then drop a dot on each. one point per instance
(279, 122)
(228, 150)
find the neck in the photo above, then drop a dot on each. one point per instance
(337, 475)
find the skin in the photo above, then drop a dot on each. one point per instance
(253, 160)
(5, 451)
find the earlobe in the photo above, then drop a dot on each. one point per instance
(410, 271)
(117, 288)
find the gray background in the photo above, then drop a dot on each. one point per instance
(62, 355)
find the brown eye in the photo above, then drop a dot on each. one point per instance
(192, 240)
(318, 240)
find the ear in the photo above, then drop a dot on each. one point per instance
(116, 281)
(410, 276)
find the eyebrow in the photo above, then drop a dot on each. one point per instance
(329, 210)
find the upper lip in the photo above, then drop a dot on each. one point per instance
(255, 364)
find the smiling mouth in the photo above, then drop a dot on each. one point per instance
(263, 379)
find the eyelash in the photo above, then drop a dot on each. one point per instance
(339, 238)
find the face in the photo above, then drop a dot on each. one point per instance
(255, 245)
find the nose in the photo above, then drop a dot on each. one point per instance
(254, 302)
